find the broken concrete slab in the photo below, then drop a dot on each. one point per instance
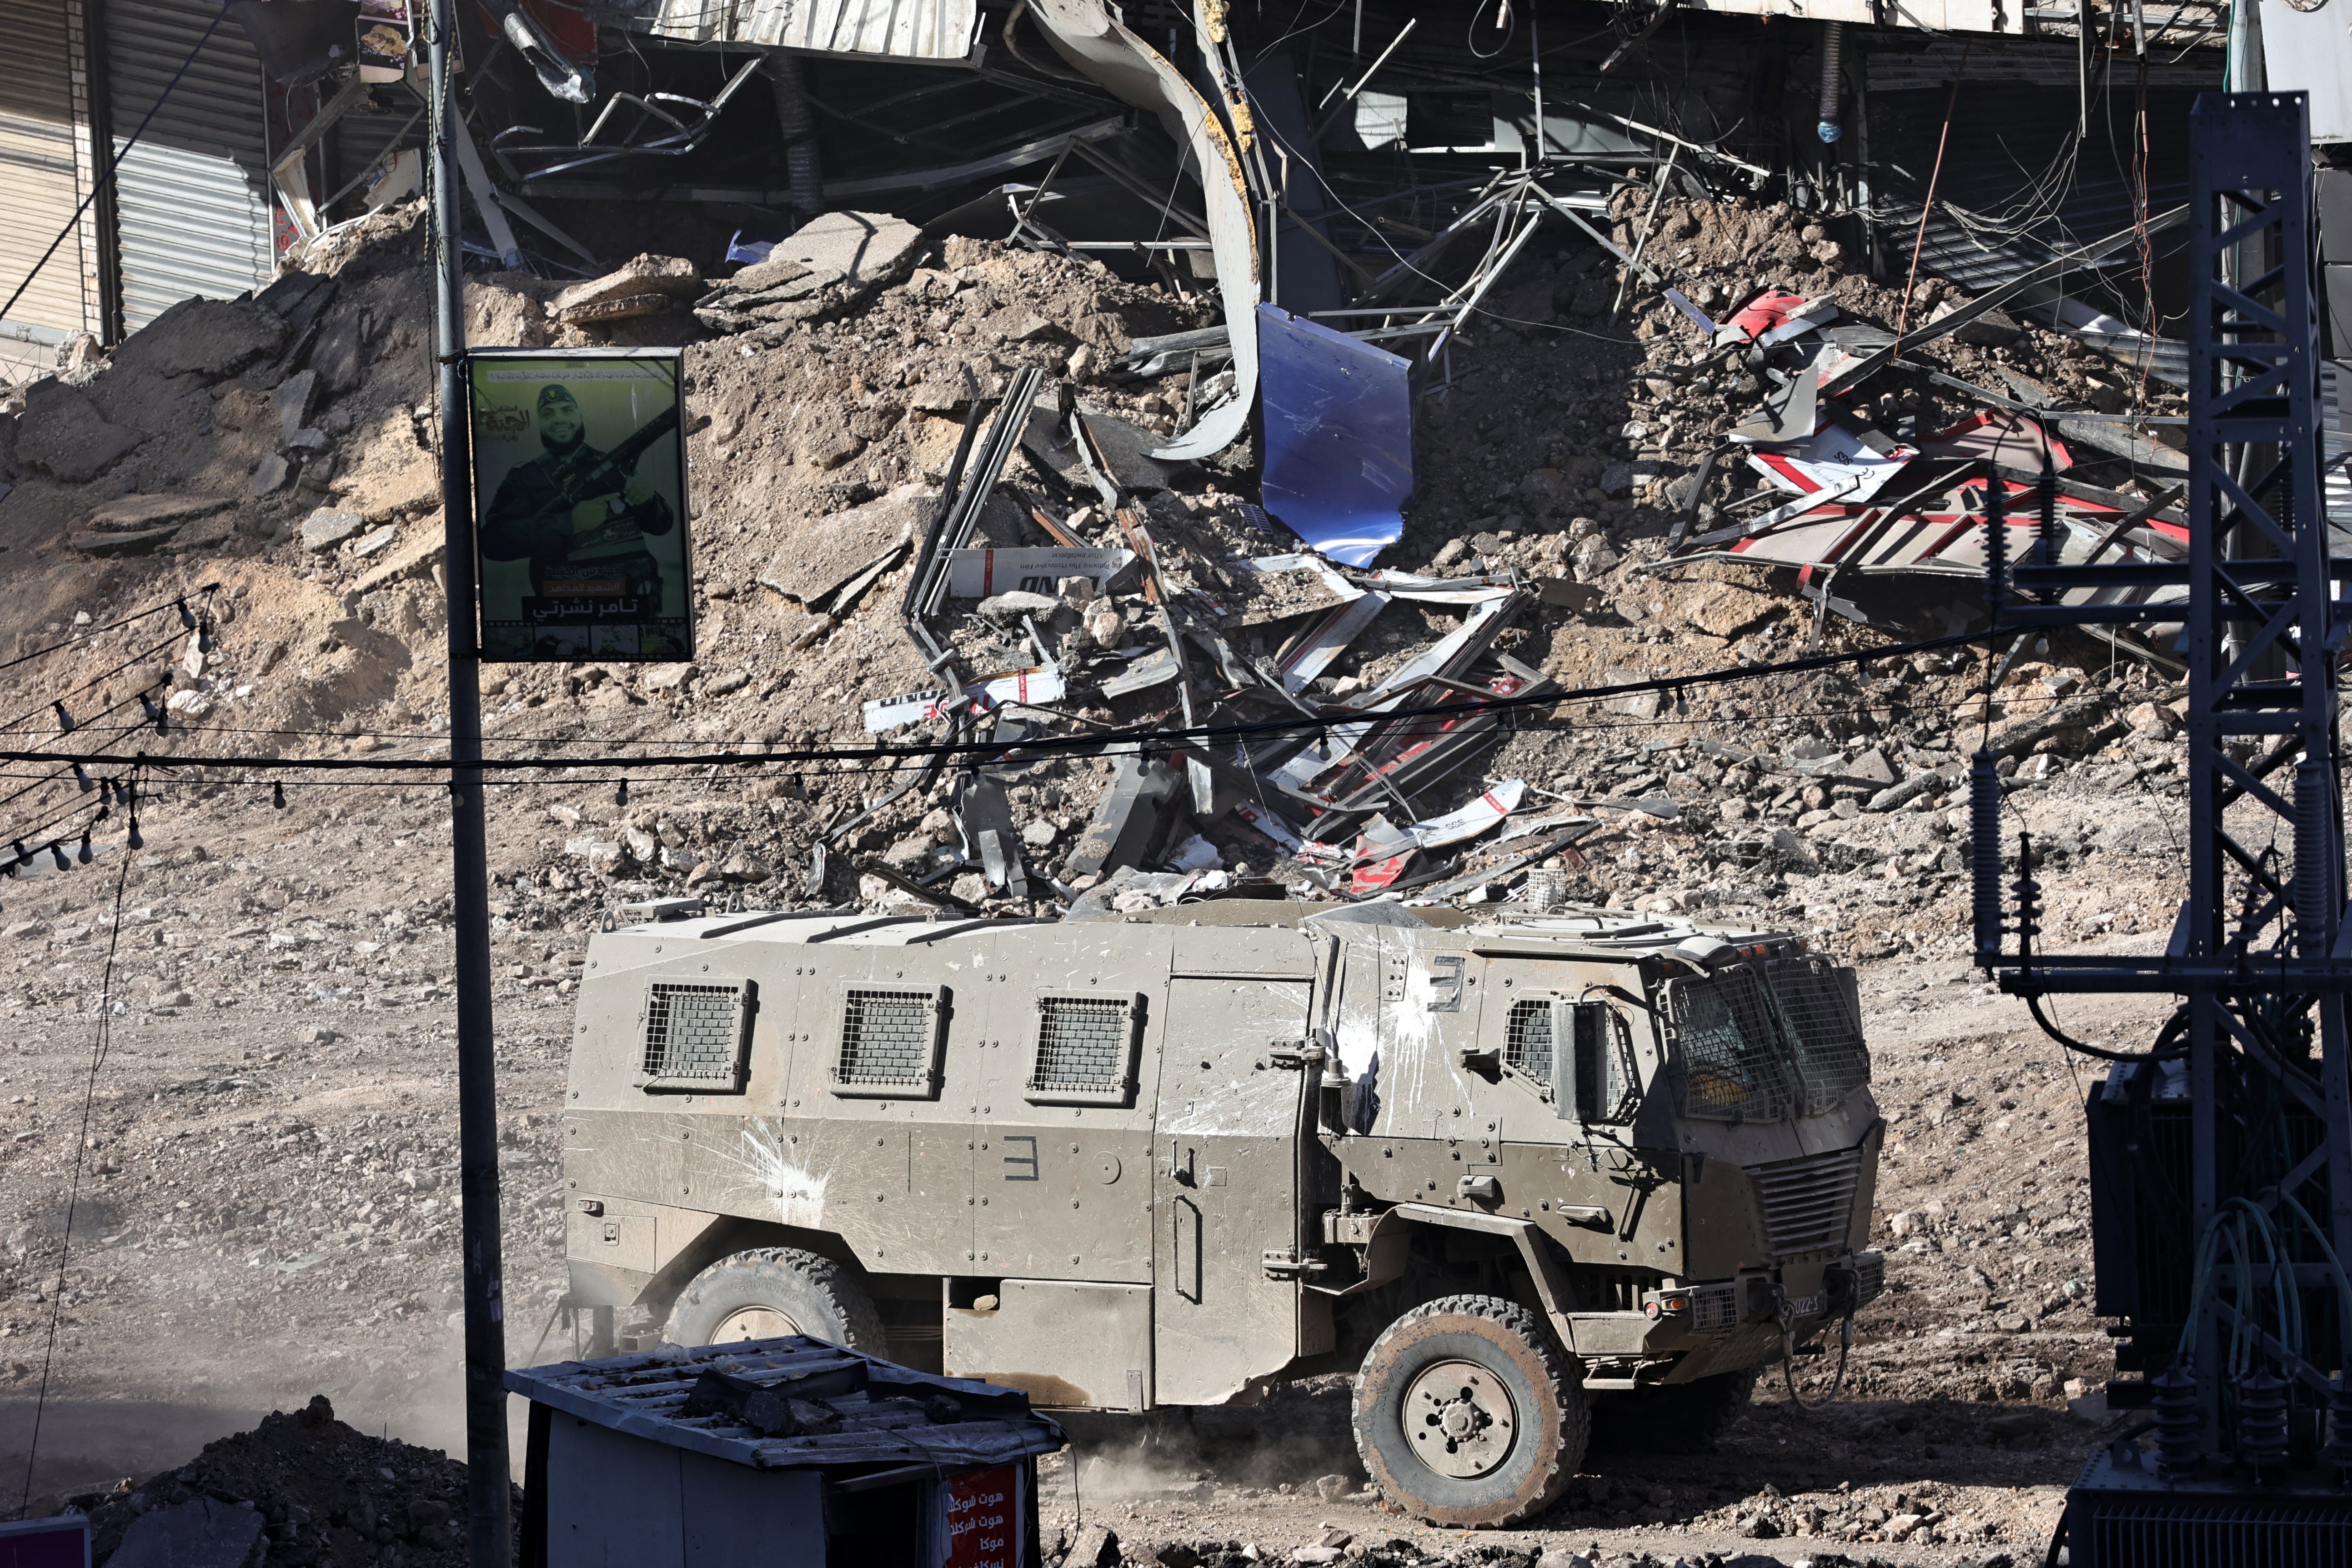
(292, 400)
(205, 534)
(413, 560)
(63, 434)
(203, 1532)
(211, 338)
(270, 474)
(830, 552)
(141, 542)
(643, 285)
(867, 249)
(376, 543)
(339, 356)
(130, 514)
(2020, 734)
(327, 527)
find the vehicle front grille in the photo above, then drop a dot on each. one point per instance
(1808, 1204)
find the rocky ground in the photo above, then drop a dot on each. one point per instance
(266, 1141)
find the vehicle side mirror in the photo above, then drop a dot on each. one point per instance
(1594, 1078)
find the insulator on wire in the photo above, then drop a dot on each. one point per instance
(205, 635)
(2337, 1454)
(82, 779)
(65, 719)
(83, 854)
(24, 856)
(1984, 854)
(57, 853)
(187, 620)
(2173, 1403)
(134, 838)
(277, 795)
(621, 796)
(1996, 552)
(2028, 891)
(2262, 1423)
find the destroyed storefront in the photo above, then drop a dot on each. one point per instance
(1069, 371)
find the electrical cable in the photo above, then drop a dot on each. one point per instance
(1055, 744)
(73, 1188)
(180, 602)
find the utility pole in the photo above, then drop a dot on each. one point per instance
(489, 1540)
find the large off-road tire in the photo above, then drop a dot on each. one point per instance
(773, 1290)
(1681, 1418)
(1467, 1412)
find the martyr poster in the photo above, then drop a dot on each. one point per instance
(579, 505)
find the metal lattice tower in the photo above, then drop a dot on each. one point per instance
(2261, 950)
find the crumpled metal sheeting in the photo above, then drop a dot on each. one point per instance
(892, 29)
(1339, 437)
(1090, 36)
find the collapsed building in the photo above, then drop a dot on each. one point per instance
(1055, 367)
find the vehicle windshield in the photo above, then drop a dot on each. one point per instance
(1757, 1043)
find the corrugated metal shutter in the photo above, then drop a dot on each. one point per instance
(192, 197)
(37, 181)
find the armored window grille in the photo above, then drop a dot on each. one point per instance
(694, 1035)
(889, 1044)
(1728, 1052)
(1086, 1049)
(1526, 1039)
(1821, 1019)
(1605, 1085)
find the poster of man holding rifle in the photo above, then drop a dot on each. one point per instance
(579, 505)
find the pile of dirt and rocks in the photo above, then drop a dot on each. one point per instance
(299, 1490)
(279, 448)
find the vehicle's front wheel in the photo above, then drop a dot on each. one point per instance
(1467, 1412)
(773, 1291)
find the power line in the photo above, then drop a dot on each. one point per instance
(1668, 685)
(180, 602)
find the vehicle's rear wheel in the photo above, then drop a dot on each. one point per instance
(1681, 1418)
(1467, 1412)
(773, 1291)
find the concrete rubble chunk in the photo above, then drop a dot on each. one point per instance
(292, 401)
(340, 355)
(1009, 608)
(270, 475)
(1915, 786)
(411, 559)
(136, 542)
(203, 1532)
(2020, 734)
(210, 338)
(376, 543)
(63, 434)
(643, 285)
(826, 555)
(865, 249)
(327, 527)
(130, 514)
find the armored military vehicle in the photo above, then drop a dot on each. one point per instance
(1515, 1172)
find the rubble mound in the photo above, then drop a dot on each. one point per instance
(312, 1493)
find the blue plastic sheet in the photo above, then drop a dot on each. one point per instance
(1339, 437)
